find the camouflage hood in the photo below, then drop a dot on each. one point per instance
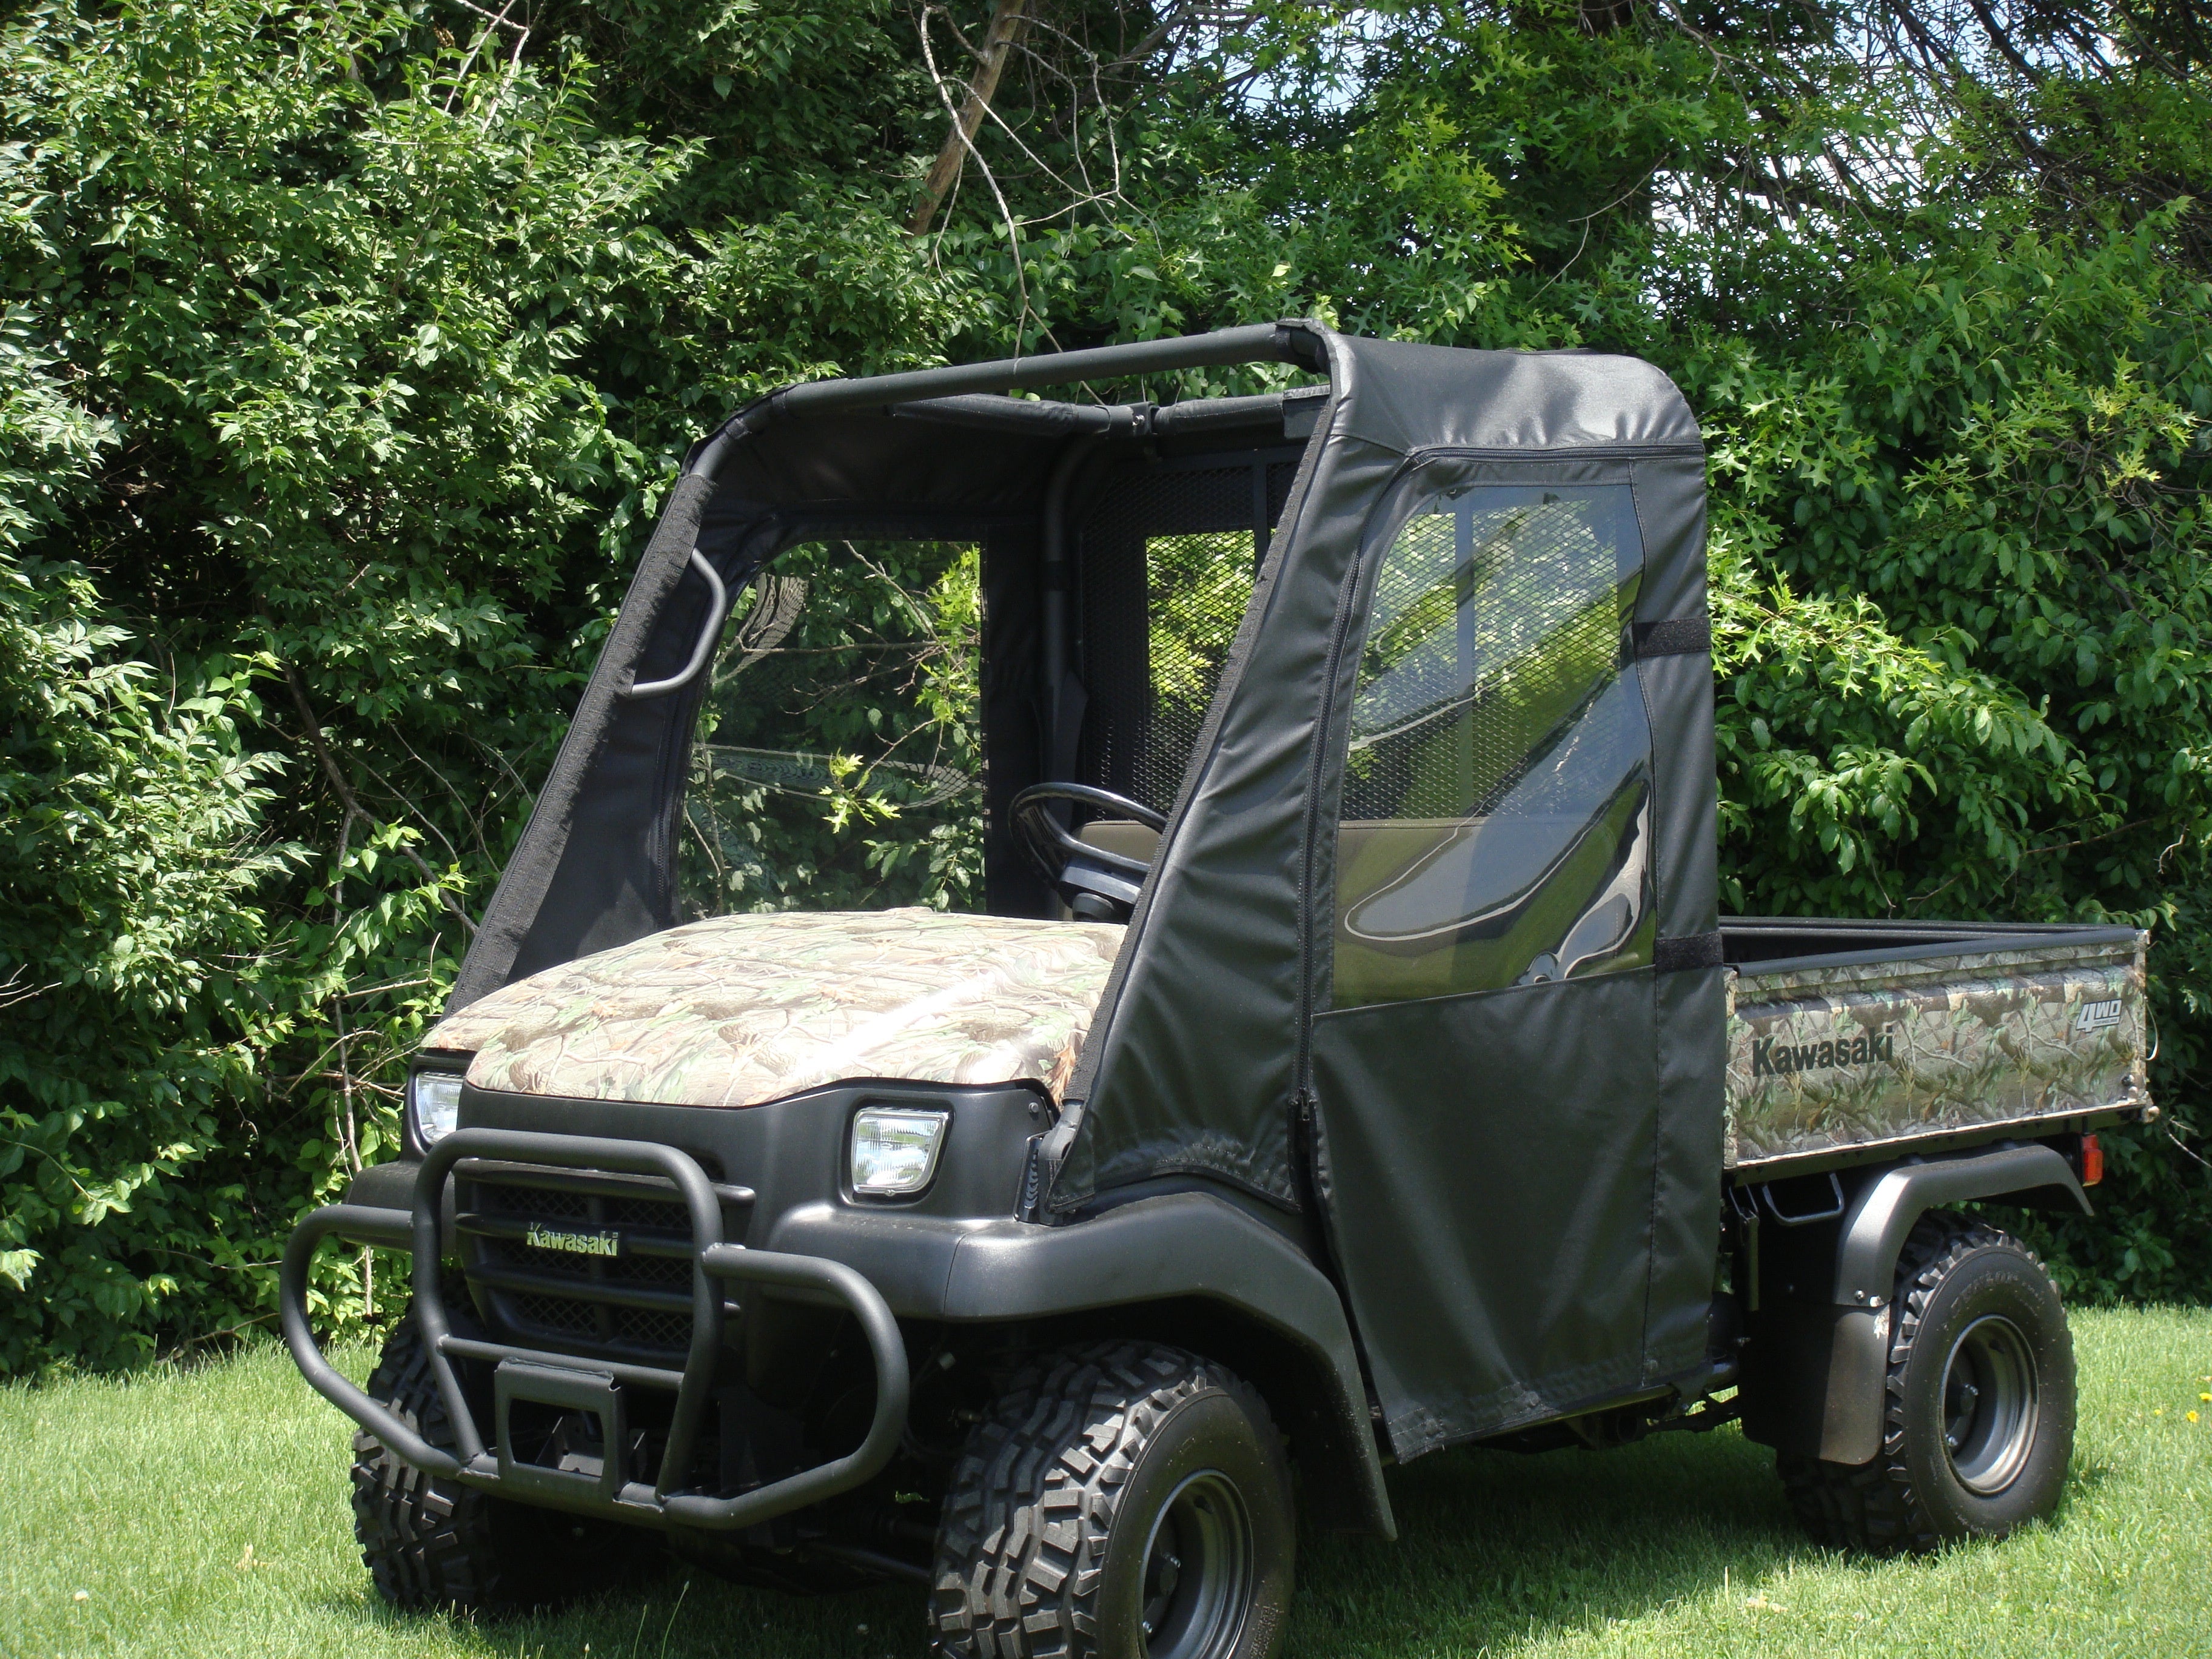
(738, 1010)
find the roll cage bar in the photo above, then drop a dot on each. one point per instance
(1259, 343)
(971, 394)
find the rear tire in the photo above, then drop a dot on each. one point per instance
(1980, 1403)
(1122, 1501)
(430, 1543)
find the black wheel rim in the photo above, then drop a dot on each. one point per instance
(1198, 1571)
(1991, 1401)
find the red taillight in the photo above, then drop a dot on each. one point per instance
(2092, 1161)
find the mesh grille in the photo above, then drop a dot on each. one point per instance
(541, 1204)
(562, 1321)
(664, 1213)
(660, 1272)
(547, 1204)
(1168, 565)
(556, 1314)
(556, 1321)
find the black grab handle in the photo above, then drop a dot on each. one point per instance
(718, 607)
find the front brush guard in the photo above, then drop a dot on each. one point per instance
(658, 1505)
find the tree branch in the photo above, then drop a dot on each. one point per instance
(316, 741)
(1007, 22)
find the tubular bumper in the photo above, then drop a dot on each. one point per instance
(660, 1503)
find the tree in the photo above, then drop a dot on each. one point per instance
(346, 353)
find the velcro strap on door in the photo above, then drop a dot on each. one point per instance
(1674, 956)
(1677, 637)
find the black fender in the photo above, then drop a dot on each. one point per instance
(391, 1187)
(1825, 1368)
(384, 1185)
(1178, 1248)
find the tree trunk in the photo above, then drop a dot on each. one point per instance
(1006, 25)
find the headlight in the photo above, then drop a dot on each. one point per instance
(434, 1099)
(894, 1150)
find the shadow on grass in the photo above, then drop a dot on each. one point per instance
(662, 1610)
(1495, 1550)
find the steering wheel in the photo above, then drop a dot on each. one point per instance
(1098, 886)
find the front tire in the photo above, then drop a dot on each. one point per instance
(429, 1543)
(1122, 1501)
(1980, 1402)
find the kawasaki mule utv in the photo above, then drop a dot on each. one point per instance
(1349, 1060)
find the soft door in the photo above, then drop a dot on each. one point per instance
(1485, 1069)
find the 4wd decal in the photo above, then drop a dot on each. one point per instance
(1771, 1057)
(2099, 1015)
(549, 1239)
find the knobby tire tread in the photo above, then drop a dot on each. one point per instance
(1022, 1543)
(1875, 1508)
(431, 1543)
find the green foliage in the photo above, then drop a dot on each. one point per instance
(2002, 710)
(344, 354)
(129, 864)
(840, 766)
(344, 361)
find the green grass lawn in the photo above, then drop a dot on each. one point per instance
(203, 1511)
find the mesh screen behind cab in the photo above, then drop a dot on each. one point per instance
(1167, 562)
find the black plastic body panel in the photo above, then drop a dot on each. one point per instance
(1875, 1228)
(1814, 1368)
(956, 1253)
(384, 1185)
(793, 1151)
(1190, 1246)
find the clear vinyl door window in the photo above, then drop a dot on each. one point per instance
(1496, 819)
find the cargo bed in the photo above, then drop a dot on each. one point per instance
(1852, 1041)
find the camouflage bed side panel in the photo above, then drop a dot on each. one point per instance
(737, 1010)
(1829, 1056)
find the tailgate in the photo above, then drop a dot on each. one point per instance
(1837, 1053)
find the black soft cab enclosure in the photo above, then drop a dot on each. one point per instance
(1339, 1070)
(1432, 934)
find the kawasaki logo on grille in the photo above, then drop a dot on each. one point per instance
(547, 1238)
(1771, 1058)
